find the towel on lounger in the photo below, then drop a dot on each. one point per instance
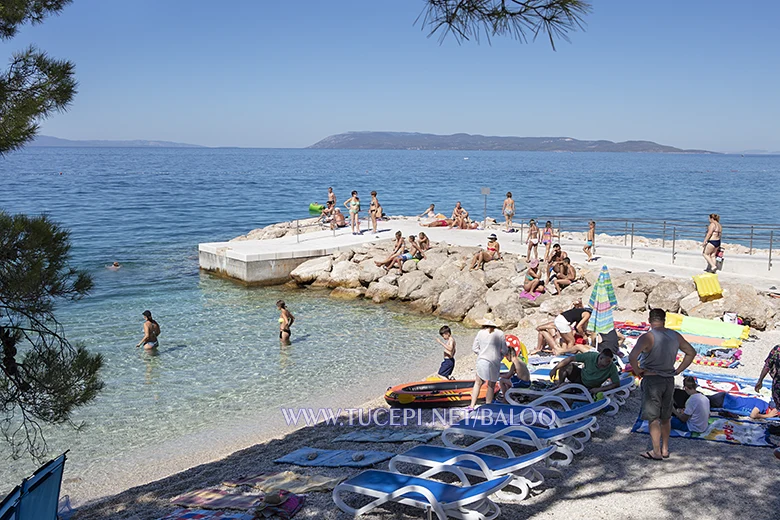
(334, 458)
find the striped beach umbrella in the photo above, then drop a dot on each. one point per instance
(602, 301)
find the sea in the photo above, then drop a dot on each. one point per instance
(220, 367)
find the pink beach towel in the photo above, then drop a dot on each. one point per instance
(202, 514)
(529, 296)
(217, 499)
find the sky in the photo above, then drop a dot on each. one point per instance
(694, 74)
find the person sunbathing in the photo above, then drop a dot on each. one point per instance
(563, 328)
(428, 213)
(597, 367)
(444, 222)
(737, 405)
(493, 253)
(338, 220)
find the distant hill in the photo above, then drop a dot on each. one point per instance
(47, 140)
(417, 141)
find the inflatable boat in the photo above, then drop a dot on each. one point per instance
(316, 208)
(434, 394)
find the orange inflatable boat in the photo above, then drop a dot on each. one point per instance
(434, 394)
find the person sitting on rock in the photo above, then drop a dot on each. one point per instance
(398, 249)
(533, 278)
(424, 242)
(493, 253)
(412, 253)
(555, 261)
(566, 275)
(518, 375)
(597, 367)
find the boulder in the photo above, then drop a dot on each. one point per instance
(475, 314)
(343, 293)
(497, 271)
(668, 293)
(409, 283)
(344, 256)
(632, 301)
(644, 282)
(308, 271)
(531, 321)
(688, 303)
(408, 266)
(556, 305)
(431, 262)
(428, 290)
(322, 281)
(370, 272)
(390, 278)
(423, 305)
(742, 299)
(505, 306)
(345, 274)
(452, 265)
(464, 290)
(529, 304)
(380, 292)
(503, 283)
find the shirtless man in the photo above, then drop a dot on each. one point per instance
(327, 212)
(398, 249)
(331, 196)
(151, 331)
(458, 216)
(588, 249)
(413, 253)
(338, 220)
(566, 275)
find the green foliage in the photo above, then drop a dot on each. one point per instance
(43, 378)
(35, 85)
(467, 19)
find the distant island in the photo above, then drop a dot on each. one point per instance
(418, 141)
(47, 140)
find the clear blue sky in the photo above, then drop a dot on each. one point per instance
(692, 73)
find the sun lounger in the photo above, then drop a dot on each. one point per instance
(577, 392)
(440, 459)
(37, 496)
(568, 440)
(445, 500)
(547, 416)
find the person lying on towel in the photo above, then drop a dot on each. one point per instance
(695, 416)
(730, 405)
(597, 367)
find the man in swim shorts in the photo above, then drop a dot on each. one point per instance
(597, 367)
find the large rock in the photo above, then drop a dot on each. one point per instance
(369, 272)
(452, 265)
(475, 315)
(380, 292)
(644, 282)
(345, 274)
(742, 299)
(556, 305)
(343, 293)
(505, 306)
(409, 283)
(668, 293)
(464, 290)
(322, 281)
(628, 300)
(423, 305)
(308, 271)
(390, 278)
(531, 321)
(408, 266)
(496, 272)
(431, 262)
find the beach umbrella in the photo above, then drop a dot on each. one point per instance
(602, 301)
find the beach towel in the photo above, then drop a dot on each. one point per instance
(214, 498)
(715, 342)
(203, 514)
(730, 431)
(287, 480)
(529, 296)
(712, 361)
(704, 327)
(334, 458)
(290, 504)
(745, 382)
(387, 435)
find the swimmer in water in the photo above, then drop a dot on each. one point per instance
(151, 331)
(286, 320)
(114, 266)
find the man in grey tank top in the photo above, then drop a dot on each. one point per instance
(658, 350)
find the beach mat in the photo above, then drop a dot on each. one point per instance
(715, 342)
(708, 361)
(204, 514)
(385, 435)
(704, 327)
(287, 480)
(334, 458)
(731, 431)
(214, 498)
(284, 510)
(728, 378)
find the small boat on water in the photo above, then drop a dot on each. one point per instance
(434, 394)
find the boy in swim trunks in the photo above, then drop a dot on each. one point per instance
(448, 365)
(589, 240)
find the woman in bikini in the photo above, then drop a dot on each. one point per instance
(151, 332)
(493, 253)
(508, 210)
(712, 243)
(588, 249)
(428, 213)
(533, 240)
(286, 320)
(533, 278)
(547, 237)
(374, 210)
(353, 205)
(398, 249)
(423, 241)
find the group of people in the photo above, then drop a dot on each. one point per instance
(413, 248)
(333, 215)
(459, 218)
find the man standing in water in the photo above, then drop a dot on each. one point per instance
(151, 331)
(658, 349)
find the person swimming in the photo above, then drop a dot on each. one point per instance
(151, 332)
(114, 266)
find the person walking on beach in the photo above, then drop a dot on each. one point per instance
(712, 243)
(331, 196)
(353, 205)
(508, 210)
(490, 347)
(547, 238)
(591, 236)
(772, 368)
(448, 343)
(658, 349)
(533, 240)
(151, 332)
(286, 320)
(374, 211)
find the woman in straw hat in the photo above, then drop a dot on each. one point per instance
(490, 347)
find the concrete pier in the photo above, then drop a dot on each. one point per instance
(270, 262)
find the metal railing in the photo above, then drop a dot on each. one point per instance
(670, 231)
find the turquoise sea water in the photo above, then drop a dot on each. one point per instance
(220, 362)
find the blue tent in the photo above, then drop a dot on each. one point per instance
(36, 497)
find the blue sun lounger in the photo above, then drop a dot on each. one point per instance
(445, 500)
(568, 440)
(461, 462)
(546, 416)
(577, 392)
(37, 496)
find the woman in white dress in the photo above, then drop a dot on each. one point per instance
(490, 347)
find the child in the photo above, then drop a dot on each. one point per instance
(508, 210)
(518, 375)
(589, 240)
(448, 365)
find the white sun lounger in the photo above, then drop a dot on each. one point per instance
(567, 440)
(440, 459)
(547, 416)
(576, 392)
(469, 502)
